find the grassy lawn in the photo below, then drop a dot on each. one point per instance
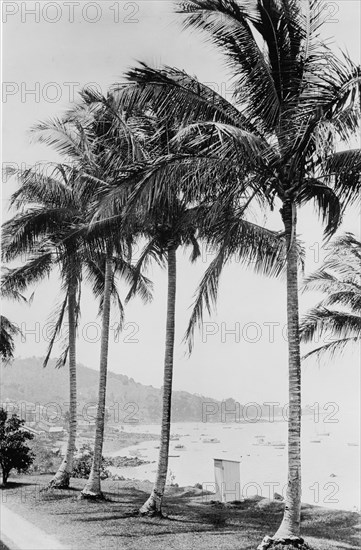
(192, 523)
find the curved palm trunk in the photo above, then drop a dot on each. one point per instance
(289, 529)
(154, 503)
(92, 488)
(62, 476)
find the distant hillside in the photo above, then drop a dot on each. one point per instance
(127, 401)
(27, 380)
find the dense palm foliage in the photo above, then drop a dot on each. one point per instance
(293, 98)
(337, 318)
(160, 212)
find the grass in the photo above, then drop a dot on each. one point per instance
(192, 523)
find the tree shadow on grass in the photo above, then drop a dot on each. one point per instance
(11, 485)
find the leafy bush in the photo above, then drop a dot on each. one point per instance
(46, 461)
(14, 453)
(83, 462)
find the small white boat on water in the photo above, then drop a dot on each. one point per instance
(211, 440)
(262, 442)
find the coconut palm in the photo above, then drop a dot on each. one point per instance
(166, 223)
(181, 226)
(293, 98)
(338, 315)
(100, 141)
(161, 212)
(171, 228)
(55, 229)
(45, 233)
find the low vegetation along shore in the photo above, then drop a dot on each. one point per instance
(193, 521)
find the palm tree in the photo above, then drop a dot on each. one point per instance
(339, 313)
(292, 98)
(54, 230)
(167, 223)
(45, 232)
(161, 212)
(167, 229)
(100, 142)
(181, 227)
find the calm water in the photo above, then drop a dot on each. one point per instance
(330, 465)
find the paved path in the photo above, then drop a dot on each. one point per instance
(19, 534)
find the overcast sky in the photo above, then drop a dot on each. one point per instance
(50, 50)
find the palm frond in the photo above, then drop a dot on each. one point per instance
(41, 184)
(332, 348)
(17, 280)
(56, 322)
(8, 331)
(321, 320)
(206, 296)
(228, 25)
(243, 242)
(179, 97)
(345, 170)
(324, 281)
(326, 203)
(150, 252)
(350, 299)
(25, 231)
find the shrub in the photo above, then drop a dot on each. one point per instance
(83, 462)
(46, 461)
(14, 453)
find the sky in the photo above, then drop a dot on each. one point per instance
(50, 50)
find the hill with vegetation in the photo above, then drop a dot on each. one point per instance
(128, 401)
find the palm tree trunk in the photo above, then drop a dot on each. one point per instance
(154, 503)
(289, 529)
(92, 488)
(5, 475)
(62, 476)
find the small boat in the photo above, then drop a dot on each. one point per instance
(315, 441)
(211, 440)
(352, 444)
(227, 427)
(179, 446)
(173, 456)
